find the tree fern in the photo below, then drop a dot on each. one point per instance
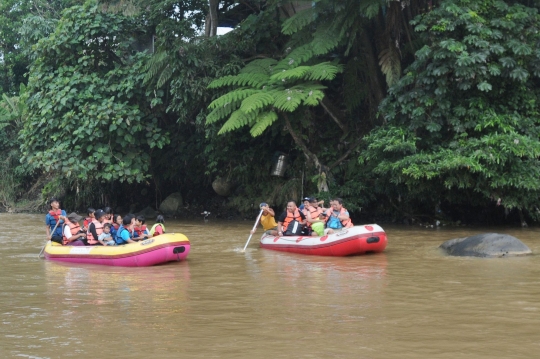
(165, 76)
(232, 96)
(323, 71)
(324, 40)
(299, 20)
(262, 122)
(390, 63)
(257, 101)
(243, 79)
(291, 74)
(289, 100)
(155, 65)
(221, 112)
(263, 66)
(238, 119)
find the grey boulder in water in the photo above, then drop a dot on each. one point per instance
(486, 245)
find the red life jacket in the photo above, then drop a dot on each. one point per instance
(290, 217)
(87, 222)
(347, 223)
(99, 229)
(74, 228)
(55, 214)
(139, 231)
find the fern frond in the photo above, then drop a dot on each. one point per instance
(370, 8)
(221, 112)
(262, 122)
(165, 76)
(313, 97)
(238, 119)
(291, 74)
(11, 104)
(390, 63)
(257, 101)
(299, 20)
(289, 100)
(260, 66)
(233, 96)
(323, 71)
(295, 58)
(257, 80)
(155, 65)
(324, 40)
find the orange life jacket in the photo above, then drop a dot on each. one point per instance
(74, 228)
(99, 229)
(314, 213)
(347, 223)
(290, 217)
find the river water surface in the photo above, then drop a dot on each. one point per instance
(409, 302)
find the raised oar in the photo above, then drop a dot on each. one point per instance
(254, 227)
(42, 249)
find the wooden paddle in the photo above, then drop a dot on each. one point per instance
(42, 249)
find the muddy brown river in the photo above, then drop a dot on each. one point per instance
(409, 302)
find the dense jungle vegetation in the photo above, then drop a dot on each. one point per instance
(417, 110)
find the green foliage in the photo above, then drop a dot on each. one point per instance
(88, 115)
(284, 86)
(464, 119)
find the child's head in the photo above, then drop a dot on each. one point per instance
(91, 212)
(118, 219)
(107, 228)
(108, 212)
(139, 221)
(322, 216)
(127, 220)
(160, 219)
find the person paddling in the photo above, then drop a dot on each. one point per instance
(54, 221)
(267, 220)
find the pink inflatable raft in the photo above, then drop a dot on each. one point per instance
(369, 238)
(161, 249)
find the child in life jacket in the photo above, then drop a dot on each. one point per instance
(159, 227)
(140, 230)
(89, 219)
(106, 237)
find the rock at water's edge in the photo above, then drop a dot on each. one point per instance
(486, 245)
(148, 213)
(170, 204)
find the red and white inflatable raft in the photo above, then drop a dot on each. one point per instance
(369, 238)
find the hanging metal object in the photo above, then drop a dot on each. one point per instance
(279, 164)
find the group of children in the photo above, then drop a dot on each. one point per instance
(101, 227)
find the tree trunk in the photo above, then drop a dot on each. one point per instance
(212, 18)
